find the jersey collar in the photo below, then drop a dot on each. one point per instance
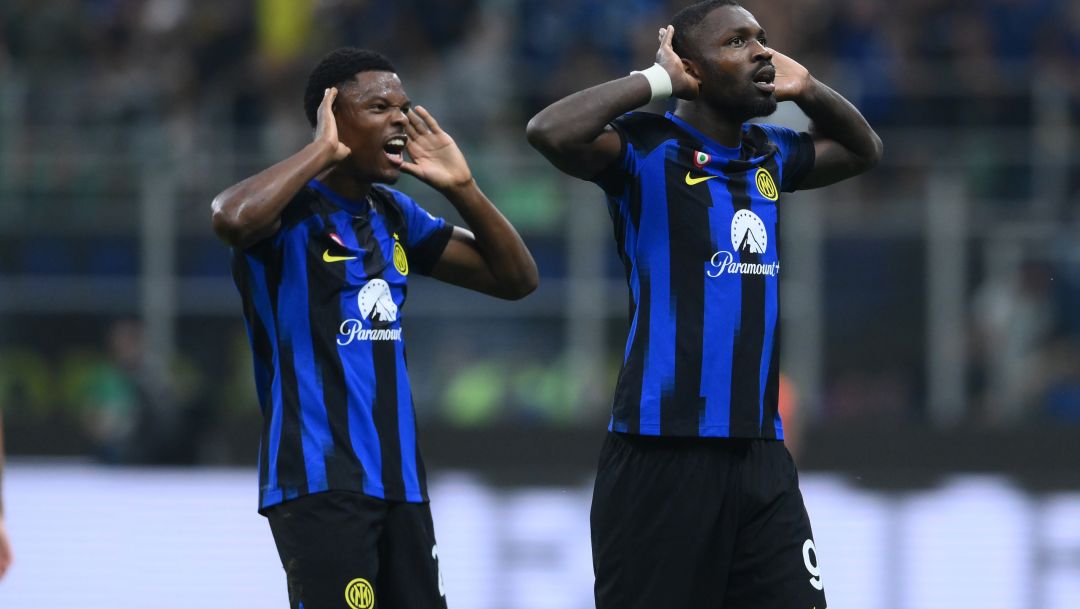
(356, 208)
(723, 152)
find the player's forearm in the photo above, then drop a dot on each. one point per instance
(249, 210)
(838, 119)
(500, 245)
(571, 124)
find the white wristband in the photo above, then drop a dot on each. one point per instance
(659, 81)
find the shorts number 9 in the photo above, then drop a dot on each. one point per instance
(809, 556)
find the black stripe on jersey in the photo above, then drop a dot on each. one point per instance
(689, 242)
(262, 354)
(292, 475)
(421, 471)
(374, 261)
(385, 411)
(632, 374)
(771, 400)
(746, 354)
(325, 281)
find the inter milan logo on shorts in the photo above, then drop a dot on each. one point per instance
(765, 184)
(359, 594)
(401, 263)
(701, 159)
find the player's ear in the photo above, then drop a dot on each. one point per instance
(692, 69)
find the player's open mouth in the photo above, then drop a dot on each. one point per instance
(764, 78)
(394, 147)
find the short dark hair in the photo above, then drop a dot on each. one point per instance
(339, 66)
(687, 22)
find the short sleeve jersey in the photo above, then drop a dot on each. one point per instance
(323, 300)
(697, 230)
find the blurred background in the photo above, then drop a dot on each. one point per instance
(931, 308)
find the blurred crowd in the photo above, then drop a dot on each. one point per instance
(986, 88)
(236, 62)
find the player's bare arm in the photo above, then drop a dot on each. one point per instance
(491, 258)
(573, 133)
(844, 143)
(250, 210)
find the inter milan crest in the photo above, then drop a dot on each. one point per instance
(401, 261)
(765, 184)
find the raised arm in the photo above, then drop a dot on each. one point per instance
(573, 133)
(491, 257)
(251, 210)
(844, 143)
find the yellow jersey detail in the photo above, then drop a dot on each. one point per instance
(765, 184)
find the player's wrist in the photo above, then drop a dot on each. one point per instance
(659, 81)
(457, 188)
(323, 150)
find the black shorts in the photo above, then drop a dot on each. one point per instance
(344, 550)
(695, 523)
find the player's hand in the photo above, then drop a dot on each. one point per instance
(435, 158)
(6, 557)
(683, 86)
(792, 79)
(326, 127)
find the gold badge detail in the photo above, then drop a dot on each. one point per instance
(765, 184)
(359, 594)
(401, 263)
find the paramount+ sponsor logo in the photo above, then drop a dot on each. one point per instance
(377, 308)
(748, 236)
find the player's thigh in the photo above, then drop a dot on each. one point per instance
(410, 576)
(775, 564)
(661, 533)
(328, 544)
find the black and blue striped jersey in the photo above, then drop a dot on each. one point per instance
(697, 230)
(322, 302)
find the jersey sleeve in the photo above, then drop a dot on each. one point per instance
(796, 152)
(426, 236)
(614, 178)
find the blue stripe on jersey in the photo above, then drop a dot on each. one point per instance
(405, 414)
(635, 291)
(356, 361)
(356, 358)
(406, 427)
(723, 309)
(766, 210)
(296, 321)
(658, 375)
(262, 373)
(630, 238)
(260, 298)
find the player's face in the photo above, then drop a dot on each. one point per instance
(371, 121)
(736, 67)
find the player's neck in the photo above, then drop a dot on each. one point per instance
(719, 128)
(344, 184)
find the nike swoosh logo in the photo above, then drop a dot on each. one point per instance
(692, 181)
(328, 258)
